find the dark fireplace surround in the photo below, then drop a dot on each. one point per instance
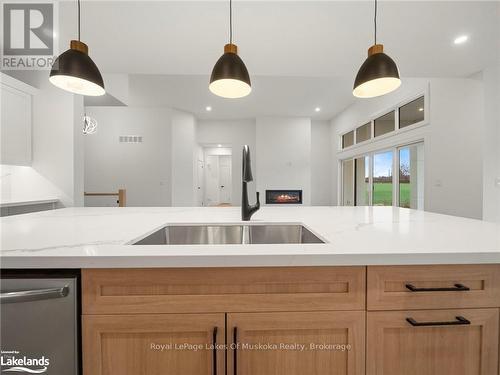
(283, 196)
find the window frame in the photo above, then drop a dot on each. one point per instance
(416, 124)
(395, 172)
(397, 165)
(353, 139)
(372, 127)
(353, 197)
(396, 120)
(425, 93)
(370, 178)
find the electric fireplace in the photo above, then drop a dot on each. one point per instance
(283, 196)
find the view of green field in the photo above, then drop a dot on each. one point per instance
(382, 194)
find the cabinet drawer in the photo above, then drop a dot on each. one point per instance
(433, 287)
(194, 290)
(458, 342)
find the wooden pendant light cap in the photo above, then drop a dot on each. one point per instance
(231, 48)
(376, 48)
(79, 46)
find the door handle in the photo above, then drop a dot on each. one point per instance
(456, 288)
(460, 320)
(34, 295)
(214, 351)
(235, 351)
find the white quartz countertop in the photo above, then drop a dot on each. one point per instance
(99, 237)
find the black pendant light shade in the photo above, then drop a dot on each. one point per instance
(230, 78)
(377, 76)
(75, 71)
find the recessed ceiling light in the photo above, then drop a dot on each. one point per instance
(219, 145)
(420, 109)
(461, 39)
(317, 109)
(208, 108)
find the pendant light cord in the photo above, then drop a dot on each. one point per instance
(78, 20)
(374, 21)
(230, 21)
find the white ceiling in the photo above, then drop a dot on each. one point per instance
(300, 54)
(271, 96)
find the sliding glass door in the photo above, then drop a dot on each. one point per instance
(411, 176)
(348, 182)
(362, 180)
(370, 179)
(382, 179)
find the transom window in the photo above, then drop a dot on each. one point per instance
(364, 132)
(410, 113)
(348, 139)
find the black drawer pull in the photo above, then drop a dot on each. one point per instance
(456, 288)
(235, 351)
(460, 320)
(214, 351)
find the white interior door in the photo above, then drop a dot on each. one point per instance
(212, 180)
(201, 183)
(225, 181)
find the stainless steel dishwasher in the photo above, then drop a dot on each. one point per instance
(39, 314)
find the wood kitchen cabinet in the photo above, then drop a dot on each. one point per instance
(270, 343)
(458, 342)
(433, 287)
(125, 311)
(210, 290)
(132, 344)
(418, 320)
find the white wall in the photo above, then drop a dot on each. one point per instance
(453, 141)
(283, 155)
(321, 155)
(184, 156)
(143, 169)
(453, 154)
(236, 134)
(491, 144)
(58, 140)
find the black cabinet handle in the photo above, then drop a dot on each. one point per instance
(456, 288)
(235, 351)
(460, 320)
(214, 351)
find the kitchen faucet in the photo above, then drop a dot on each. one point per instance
(246, 210)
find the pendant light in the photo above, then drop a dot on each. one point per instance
(379, 74)
(74, 70)
(230, 78)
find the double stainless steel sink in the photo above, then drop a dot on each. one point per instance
(230, 234)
